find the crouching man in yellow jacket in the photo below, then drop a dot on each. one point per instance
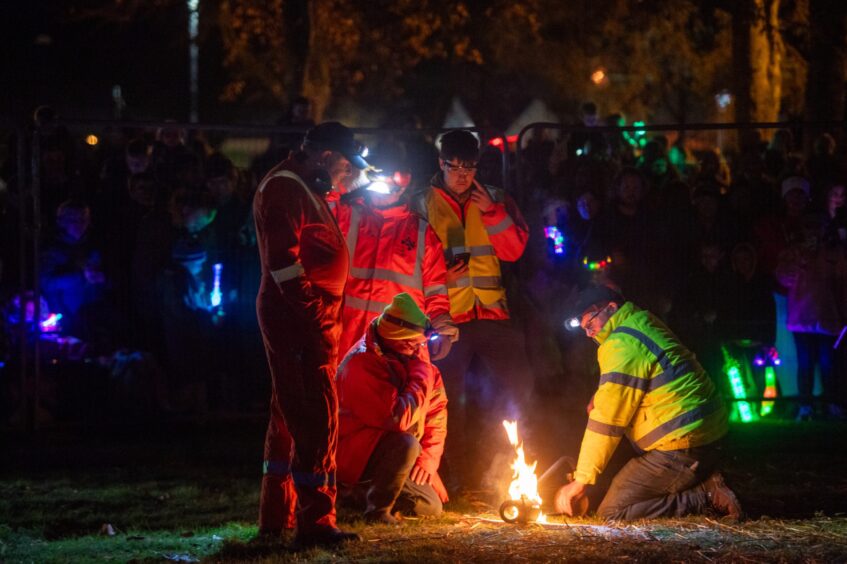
(653, 390)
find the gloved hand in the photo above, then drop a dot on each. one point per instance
(446, 328)
(439, 348)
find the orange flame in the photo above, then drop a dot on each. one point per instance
(524, 481)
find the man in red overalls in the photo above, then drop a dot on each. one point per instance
(304, 269)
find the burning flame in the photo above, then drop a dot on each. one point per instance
(524, 483)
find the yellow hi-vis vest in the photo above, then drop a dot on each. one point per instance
(480, 294)
(652, 390)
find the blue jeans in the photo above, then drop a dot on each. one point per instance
(660, 484)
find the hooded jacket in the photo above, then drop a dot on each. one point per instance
(371, 385)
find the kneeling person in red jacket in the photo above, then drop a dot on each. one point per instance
(393, 416)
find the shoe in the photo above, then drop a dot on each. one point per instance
(381, 518)
(804, 413)
(721, 498)
(326, 538)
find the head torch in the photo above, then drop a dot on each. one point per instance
(382, 183)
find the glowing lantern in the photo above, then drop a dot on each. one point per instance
(91, 140)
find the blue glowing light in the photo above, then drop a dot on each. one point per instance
(216, 296)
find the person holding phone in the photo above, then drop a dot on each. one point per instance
(479, 226)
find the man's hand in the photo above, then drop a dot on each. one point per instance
(481, 198)
(458, 270)
(568, 496)
(420, 476)
(445, 327)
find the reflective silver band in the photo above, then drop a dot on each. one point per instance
(288, 273)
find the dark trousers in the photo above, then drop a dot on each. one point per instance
(814, 349)
(501, 388)
(390, 488)
(660, 484)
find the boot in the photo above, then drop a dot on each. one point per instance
(721, 498)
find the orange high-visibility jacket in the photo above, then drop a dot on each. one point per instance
(391, 251)
(498, 234)
(369, 384)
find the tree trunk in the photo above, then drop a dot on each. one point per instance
(825, 88)
(757, 57)
(317, 82)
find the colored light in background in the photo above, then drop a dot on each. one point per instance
(738, 392)
(51, 323)
(596, 265)
(216, 296)
(91, 140)
(599, 76)
(770, 391)
(554, 234)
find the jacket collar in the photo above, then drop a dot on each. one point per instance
(625, 312)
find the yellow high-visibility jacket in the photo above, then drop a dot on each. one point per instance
(652, 389)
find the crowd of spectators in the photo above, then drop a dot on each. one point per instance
(148, 252)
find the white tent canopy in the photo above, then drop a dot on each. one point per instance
(457, 116)
(536, 111)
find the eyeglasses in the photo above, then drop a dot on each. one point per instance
(590, 319)
(459, 168)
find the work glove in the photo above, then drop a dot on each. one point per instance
(446, 328)
(439, 348)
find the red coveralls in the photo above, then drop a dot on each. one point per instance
(304, 268)
(392, 251)
(369, 384)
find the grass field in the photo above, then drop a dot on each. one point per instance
(183, 492)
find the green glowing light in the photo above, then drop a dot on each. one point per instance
(742, 409)
(770, 391)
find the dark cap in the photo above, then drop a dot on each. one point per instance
(593, 295)
(333, 136)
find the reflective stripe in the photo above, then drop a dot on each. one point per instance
(675, 372)
(605, 428)
(501, 226)
(386, 275)
(292, 176)
(499, 304)
(458, 250)
(314, 480)
(276, 468)
(435, 290)
(462, 282)
(414, 280)
(669, 371)
(700, 412)
(627, 380)
(419, 259)
(288, 273)
(482, 251)
(364, 305)
(486, 282)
